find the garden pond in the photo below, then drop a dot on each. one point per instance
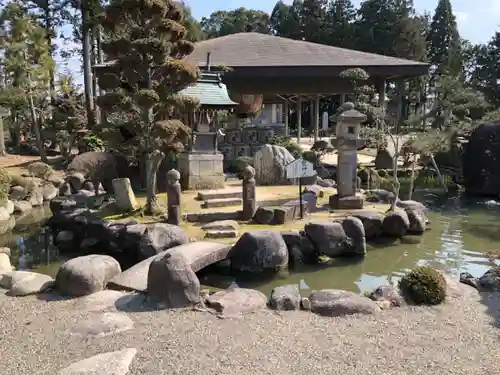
(463, 233)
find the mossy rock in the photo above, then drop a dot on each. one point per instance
(423, 286)
(40, 170)
(5, 180)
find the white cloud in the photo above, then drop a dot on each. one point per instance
(462, 17)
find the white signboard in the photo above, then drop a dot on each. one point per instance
(300, 168)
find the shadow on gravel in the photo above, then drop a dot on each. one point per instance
(492, 301)
(134, 303)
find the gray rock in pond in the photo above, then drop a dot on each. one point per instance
(25, 283)
(264, 215)
(372, 222)
(490, 281)
(86, 274)
(49, 192)
(36, 197)
(300, 248)
(88, 185)
(380, 195)
(395, 224)
(103, 325)
(76, 180)
(417, 221)
(111, 363)
(467, 279)
(387, 293)
(172, 283)
(22, 207)
(411, 205)
(17, 193)
(353, 227)
(328, 238)
(334, 302)
(65, 189)
(285, 297)
(259, 251)
(160, 237)
(9, 206)
(236, 301)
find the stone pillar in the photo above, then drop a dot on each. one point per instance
(173, 197)
(249, 196)
(299, 119)
(124, 195)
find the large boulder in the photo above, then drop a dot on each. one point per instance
(270, 165)
(418, 221)
(396, 224)
(103, 167)
(300, 248)
(481, 161)
(172, 282)
(328, 238)
(334, 302)
(24, 283)
(490, 281)
(236, 301)
(158, 237)
(372, 222)
(86, 274)
(259, 251)
(353, 228)
(110, 363)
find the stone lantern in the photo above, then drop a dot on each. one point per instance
(348, 143)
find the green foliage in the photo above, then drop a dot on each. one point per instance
(236, 166)
(40, 170)
(239, 20)
(286, 142)
(492, 117)
(93, 143)
(5, 180)
(423, 286)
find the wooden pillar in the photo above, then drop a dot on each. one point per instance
(342, 99)
(316, 118)
(285, 111)
(311, 117)
(299, 119)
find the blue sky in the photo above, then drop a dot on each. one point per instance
(477, 20)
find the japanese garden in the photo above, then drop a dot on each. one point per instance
(316, 188)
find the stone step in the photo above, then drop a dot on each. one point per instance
(208, 217)
(224, 202)
(218, 194)
(215, 234)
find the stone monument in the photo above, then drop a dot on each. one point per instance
(348, 143)
(201, 165)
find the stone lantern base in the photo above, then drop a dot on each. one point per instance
(353, 202)
(201, 170)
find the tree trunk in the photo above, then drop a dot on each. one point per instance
(48, 37)
(87, 68)
(412, 176)
(36, 129)
(3, 150)
(396, 185)
(153, 162)
(440, 176)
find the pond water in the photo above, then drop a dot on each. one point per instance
(462, 232)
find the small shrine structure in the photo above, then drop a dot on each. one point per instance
(201, 164)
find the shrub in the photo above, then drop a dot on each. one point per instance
(423, 286)
(286, 142)
(93, 143)
(40, 170)
(5, 180)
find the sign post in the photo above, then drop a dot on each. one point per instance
(300, 168)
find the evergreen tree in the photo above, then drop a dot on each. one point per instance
(27, 66)
(279, 17)
(486, 74)
(313, 17)
(240, 20)
(340, 19)
(444, 44)
(147, 42)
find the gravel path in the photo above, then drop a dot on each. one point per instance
(456, 338)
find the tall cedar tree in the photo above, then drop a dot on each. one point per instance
(147, 42)
(444, 42)
(487, 72)
(27, 66)
(340, 24)
(313, 14)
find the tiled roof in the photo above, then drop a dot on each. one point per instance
(210, 91)
(262, 50)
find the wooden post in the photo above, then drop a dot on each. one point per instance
(299, 119)
(285, 111)
(342, 99)
(316, 118)
(311, 118)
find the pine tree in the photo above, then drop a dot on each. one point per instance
(444, 44)
(340, 24)
(313, 15)
(147, 42)
(27, 67)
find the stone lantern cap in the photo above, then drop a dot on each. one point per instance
(351, 115)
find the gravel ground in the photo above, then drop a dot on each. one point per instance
(459, 337)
